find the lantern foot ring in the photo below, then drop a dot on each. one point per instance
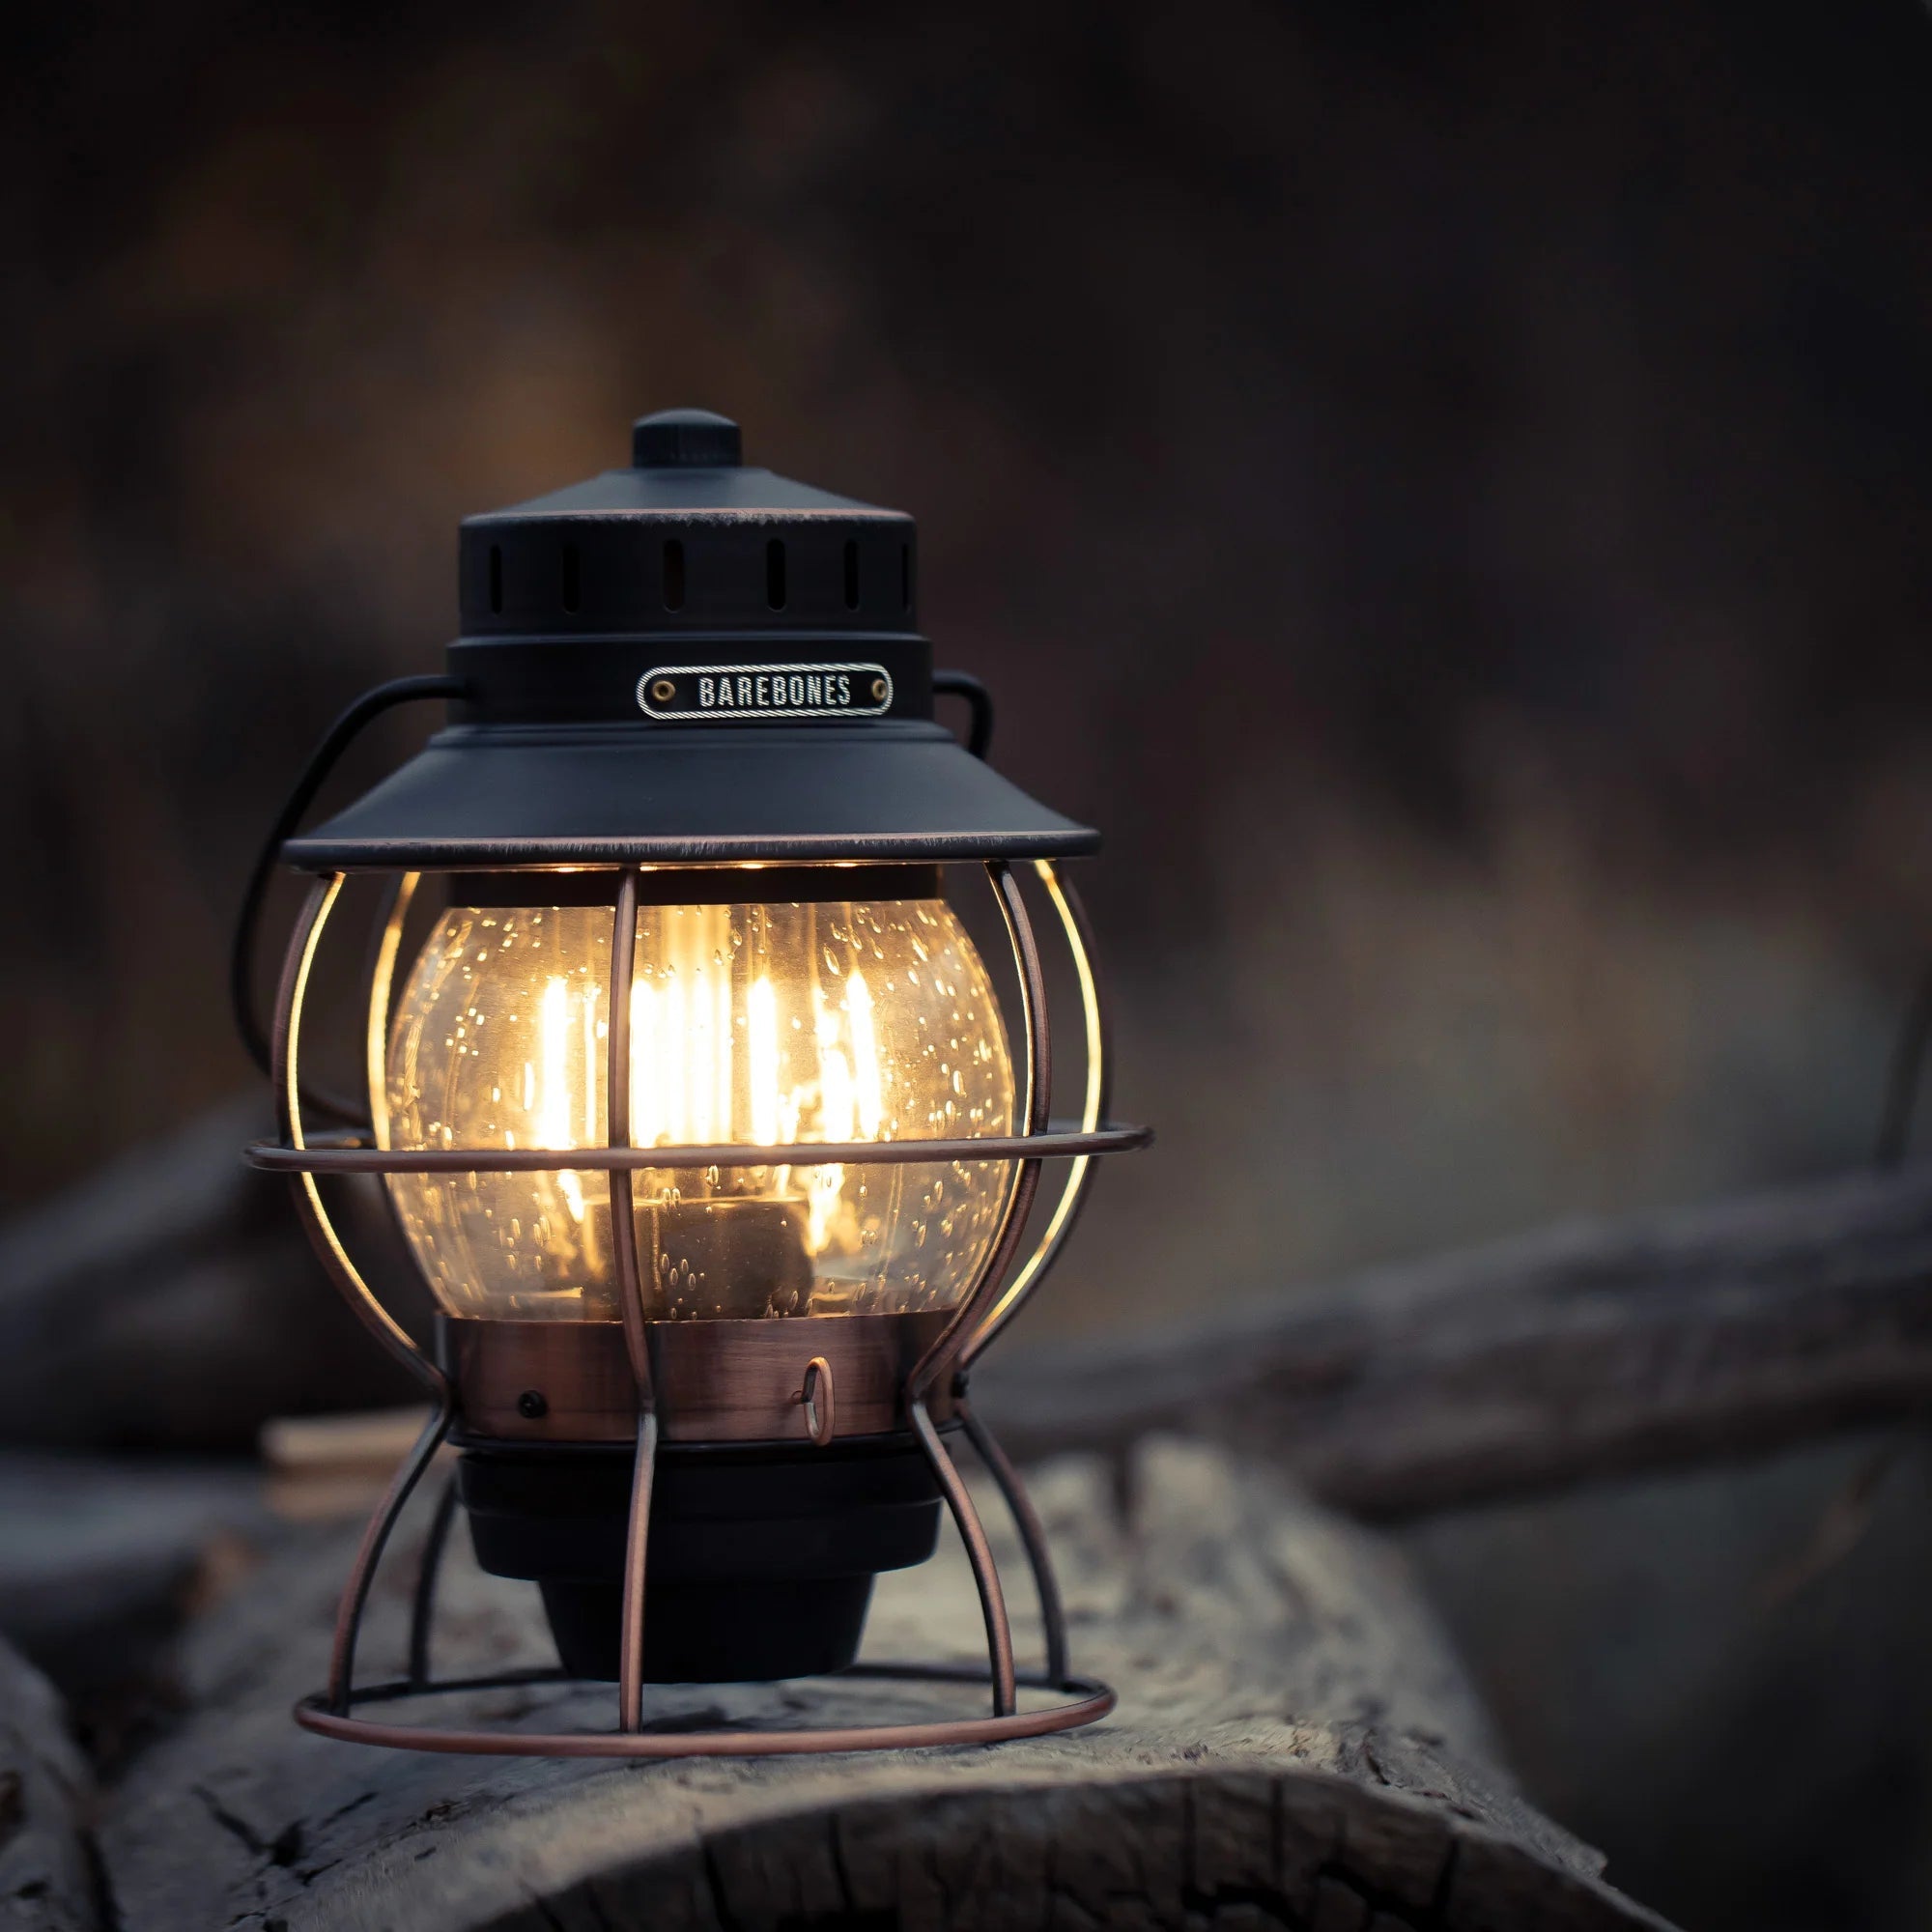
(333, 1714)
(348, 1154)
(1089, 1700)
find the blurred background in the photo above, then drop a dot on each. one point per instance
(1441, 487)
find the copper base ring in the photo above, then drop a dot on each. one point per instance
(1092, 1701)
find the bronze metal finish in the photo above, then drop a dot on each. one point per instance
(938, 1362)
(945, 1354)
(636, 1544)
(980, 1553)
(704, 1381)
(1032, 1537)
(1072, 915)
(618, 1085)
(579, 1368)
(1092, 1700)
(631, 1301)
(1049, 1144)
(397, 900)
(722, 1381)
(286, 1047)
(815, 1394)
(369, 1553)
(286, 1052)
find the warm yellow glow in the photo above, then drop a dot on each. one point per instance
(764, 1024)
(376, 1045)
(551, 1089)
(322, 903)
(760, 1026)
(1092, 1107)
(650, 1078)
(869, 1092)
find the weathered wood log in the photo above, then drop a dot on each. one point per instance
(101, 1561)
(1586, 1352)
(172, 1301)
(47, 1868)
(1294, 1748)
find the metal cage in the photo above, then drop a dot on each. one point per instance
(932, 1388)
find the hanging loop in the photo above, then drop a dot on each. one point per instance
(816, 1398)
(979, 705)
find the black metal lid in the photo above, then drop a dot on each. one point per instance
(688, 660)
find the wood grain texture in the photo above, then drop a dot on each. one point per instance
(1587, 1351)
(1295, 1746)
(47, 1881)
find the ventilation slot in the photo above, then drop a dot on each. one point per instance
(775, 574)
(674, 576)
(495, 579)
(851, 573)
(570, 576)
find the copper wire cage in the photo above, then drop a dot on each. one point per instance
(930, 1392)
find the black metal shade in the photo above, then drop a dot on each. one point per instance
(894, 790)
(688, 661)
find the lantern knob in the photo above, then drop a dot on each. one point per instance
(686, 440)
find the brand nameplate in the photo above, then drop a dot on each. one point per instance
(766, 691)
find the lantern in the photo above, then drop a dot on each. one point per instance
(692, 1095)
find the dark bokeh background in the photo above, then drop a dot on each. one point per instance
(1442, 487)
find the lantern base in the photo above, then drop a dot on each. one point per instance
(718, 1634)
(1084, 1700)
(762, 1557)
(1089, 1700)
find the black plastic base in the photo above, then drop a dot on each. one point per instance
(713, 1633)
(761, 1562)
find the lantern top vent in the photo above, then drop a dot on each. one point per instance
(687, 539)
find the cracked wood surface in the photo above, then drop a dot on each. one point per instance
(1586, 1352)
(46, 1792)
(1295, 1746)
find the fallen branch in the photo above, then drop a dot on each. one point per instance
(101, 1561)
(171, 1301)
(1587, 1351)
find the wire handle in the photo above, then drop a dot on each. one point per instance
(248, 923)
(978, 703)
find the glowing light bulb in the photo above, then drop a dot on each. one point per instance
(869, 1088)
(759, 1027)
(553, 1088)
(762, 1015)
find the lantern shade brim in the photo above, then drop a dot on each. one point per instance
(487, 796)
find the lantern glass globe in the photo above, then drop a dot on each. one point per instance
(756, 1026)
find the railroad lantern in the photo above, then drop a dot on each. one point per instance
(691, 1094)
